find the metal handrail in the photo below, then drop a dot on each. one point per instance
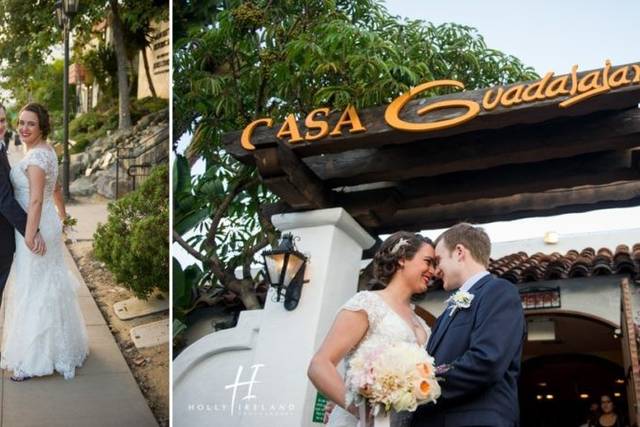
(120, 157)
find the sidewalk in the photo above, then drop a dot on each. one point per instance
(89, 213)
(104, 392)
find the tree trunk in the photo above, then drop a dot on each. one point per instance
(145, 60)
(133, 75)
(246, 292)
(124, 119)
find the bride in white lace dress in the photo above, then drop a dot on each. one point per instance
(44, 330)
(405, 264)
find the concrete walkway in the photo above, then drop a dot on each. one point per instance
(90, 213)
(104, 392)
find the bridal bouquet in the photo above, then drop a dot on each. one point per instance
(399, 376)
(68, 228)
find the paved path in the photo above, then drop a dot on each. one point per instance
(89, 212)
(104, 392)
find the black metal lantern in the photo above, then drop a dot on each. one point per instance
(60, 15)
(284, 270)
(71, 7)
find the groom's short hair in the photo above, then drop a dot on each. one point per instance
(475, 239)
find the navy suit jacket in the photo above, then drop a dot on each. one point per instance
(483, 345)
(12, 216)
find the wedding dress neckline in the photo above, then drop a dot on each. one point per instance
(406, 324)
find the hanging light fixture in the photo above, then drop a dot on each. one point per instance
(71, 7)
(284, 269)
(60, 15)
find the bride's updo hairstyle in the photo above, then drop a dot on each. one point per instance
(402, 245)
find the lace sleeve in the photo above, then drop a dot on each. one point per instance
(39, 158)
(364, 301)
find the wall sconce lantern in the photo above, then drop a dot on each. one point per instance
(284, 268)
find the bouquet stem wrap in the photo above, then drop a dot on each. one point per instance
(381, 420)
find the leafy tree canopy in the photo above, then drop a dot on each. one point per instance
(29, 33)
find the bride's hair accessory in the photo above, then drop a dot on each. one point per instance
(402, 242)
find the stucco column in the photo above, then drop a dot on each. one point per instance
(334, 242)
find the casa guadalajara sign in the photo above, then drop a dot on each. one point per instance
(573, 88)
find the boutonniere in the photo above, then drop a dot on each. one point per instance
(460, 300)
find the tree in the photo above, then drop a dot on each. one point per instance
(28, 34)
(101, 66)
(242, 60)
(138, 22)
(124, 115)
(26, 40)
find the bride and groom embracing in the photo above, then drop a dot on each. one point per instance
(43, 328)
(476, 342)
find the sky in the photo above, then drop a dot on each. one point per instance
(549, 36)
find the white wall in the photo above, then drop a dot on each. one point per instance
(608, 239)
(280, 342)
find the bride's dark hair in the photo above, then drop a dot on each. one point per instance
(44, 123)
(402, 245)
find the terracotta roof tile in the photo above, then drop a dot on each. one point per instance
(521, 268)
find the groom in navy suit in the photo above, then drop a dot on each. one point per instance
(477, 341)
(12, 216)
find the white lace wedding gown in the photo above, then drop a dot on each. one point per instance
(385, 325)
(43, 330)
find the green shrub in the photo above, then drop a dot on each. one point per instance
(144, 106)
(112, 122)
(83, 140)
(81, 144)
(88, 122)
(134, 243)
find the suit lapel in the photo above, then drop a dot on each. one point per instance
(446, 319)
(4, 161)
(434, 333)
(443, 325)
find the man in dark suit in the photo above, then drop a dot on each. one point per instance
(12, 216)
(477, 341)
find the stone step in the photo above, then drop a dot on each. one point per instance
(151, 334)
(134, 307)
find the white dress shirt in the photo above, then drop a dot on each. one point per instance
(466, 286)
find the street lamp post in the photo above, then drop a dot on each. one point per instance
(65, 10)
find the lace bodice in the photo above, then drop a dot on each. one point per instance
(385, 326)
(42, 157)
(384, 323)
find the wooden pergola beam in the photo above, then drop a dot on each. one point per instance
(554, 202)
(286, 176)
(609, 131)
(589, 169)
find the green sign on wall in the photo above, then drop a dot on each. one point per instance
(318, 408)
